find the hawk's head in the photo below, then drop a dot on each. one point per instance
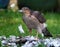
(25, 10)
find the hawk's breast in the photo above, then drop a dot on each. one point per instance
(31, 22)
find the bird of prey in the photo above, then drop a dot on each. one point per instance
(35, 20)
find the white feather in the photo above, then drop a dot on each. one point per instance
(12, 44)
(52, 42)
(45, 25)
(21, 29)
(3, 42)
(13, 38)
(27, 44)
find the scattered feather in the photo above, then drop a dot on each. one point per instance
(21, 29)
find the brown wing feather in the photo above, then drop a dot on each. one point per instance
(40, 17)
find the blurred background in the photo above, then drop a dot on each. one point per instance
(42, 5)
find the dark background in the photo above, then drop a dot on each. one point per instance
(42, 5)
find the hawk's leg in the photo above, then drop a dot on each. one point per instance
(30, 30)
(37, 35)
(39, 30)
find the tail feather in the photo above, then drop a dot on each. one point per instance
(46, 33)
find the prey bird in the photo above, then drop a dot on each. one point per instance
(35, 20)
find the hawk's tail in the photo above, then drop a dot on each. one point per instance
(46, 33)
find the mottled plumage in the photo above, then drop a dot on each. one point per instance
(34, 20)
(42, 20)
(32, 23)
(39, 16)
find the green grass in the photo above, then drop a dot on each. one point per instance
(9, 22)
(53, 22)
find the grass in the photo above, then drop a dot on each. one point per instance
(9, 22)
(53, 22)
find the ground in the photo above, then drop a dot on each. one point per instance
(9, 22)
